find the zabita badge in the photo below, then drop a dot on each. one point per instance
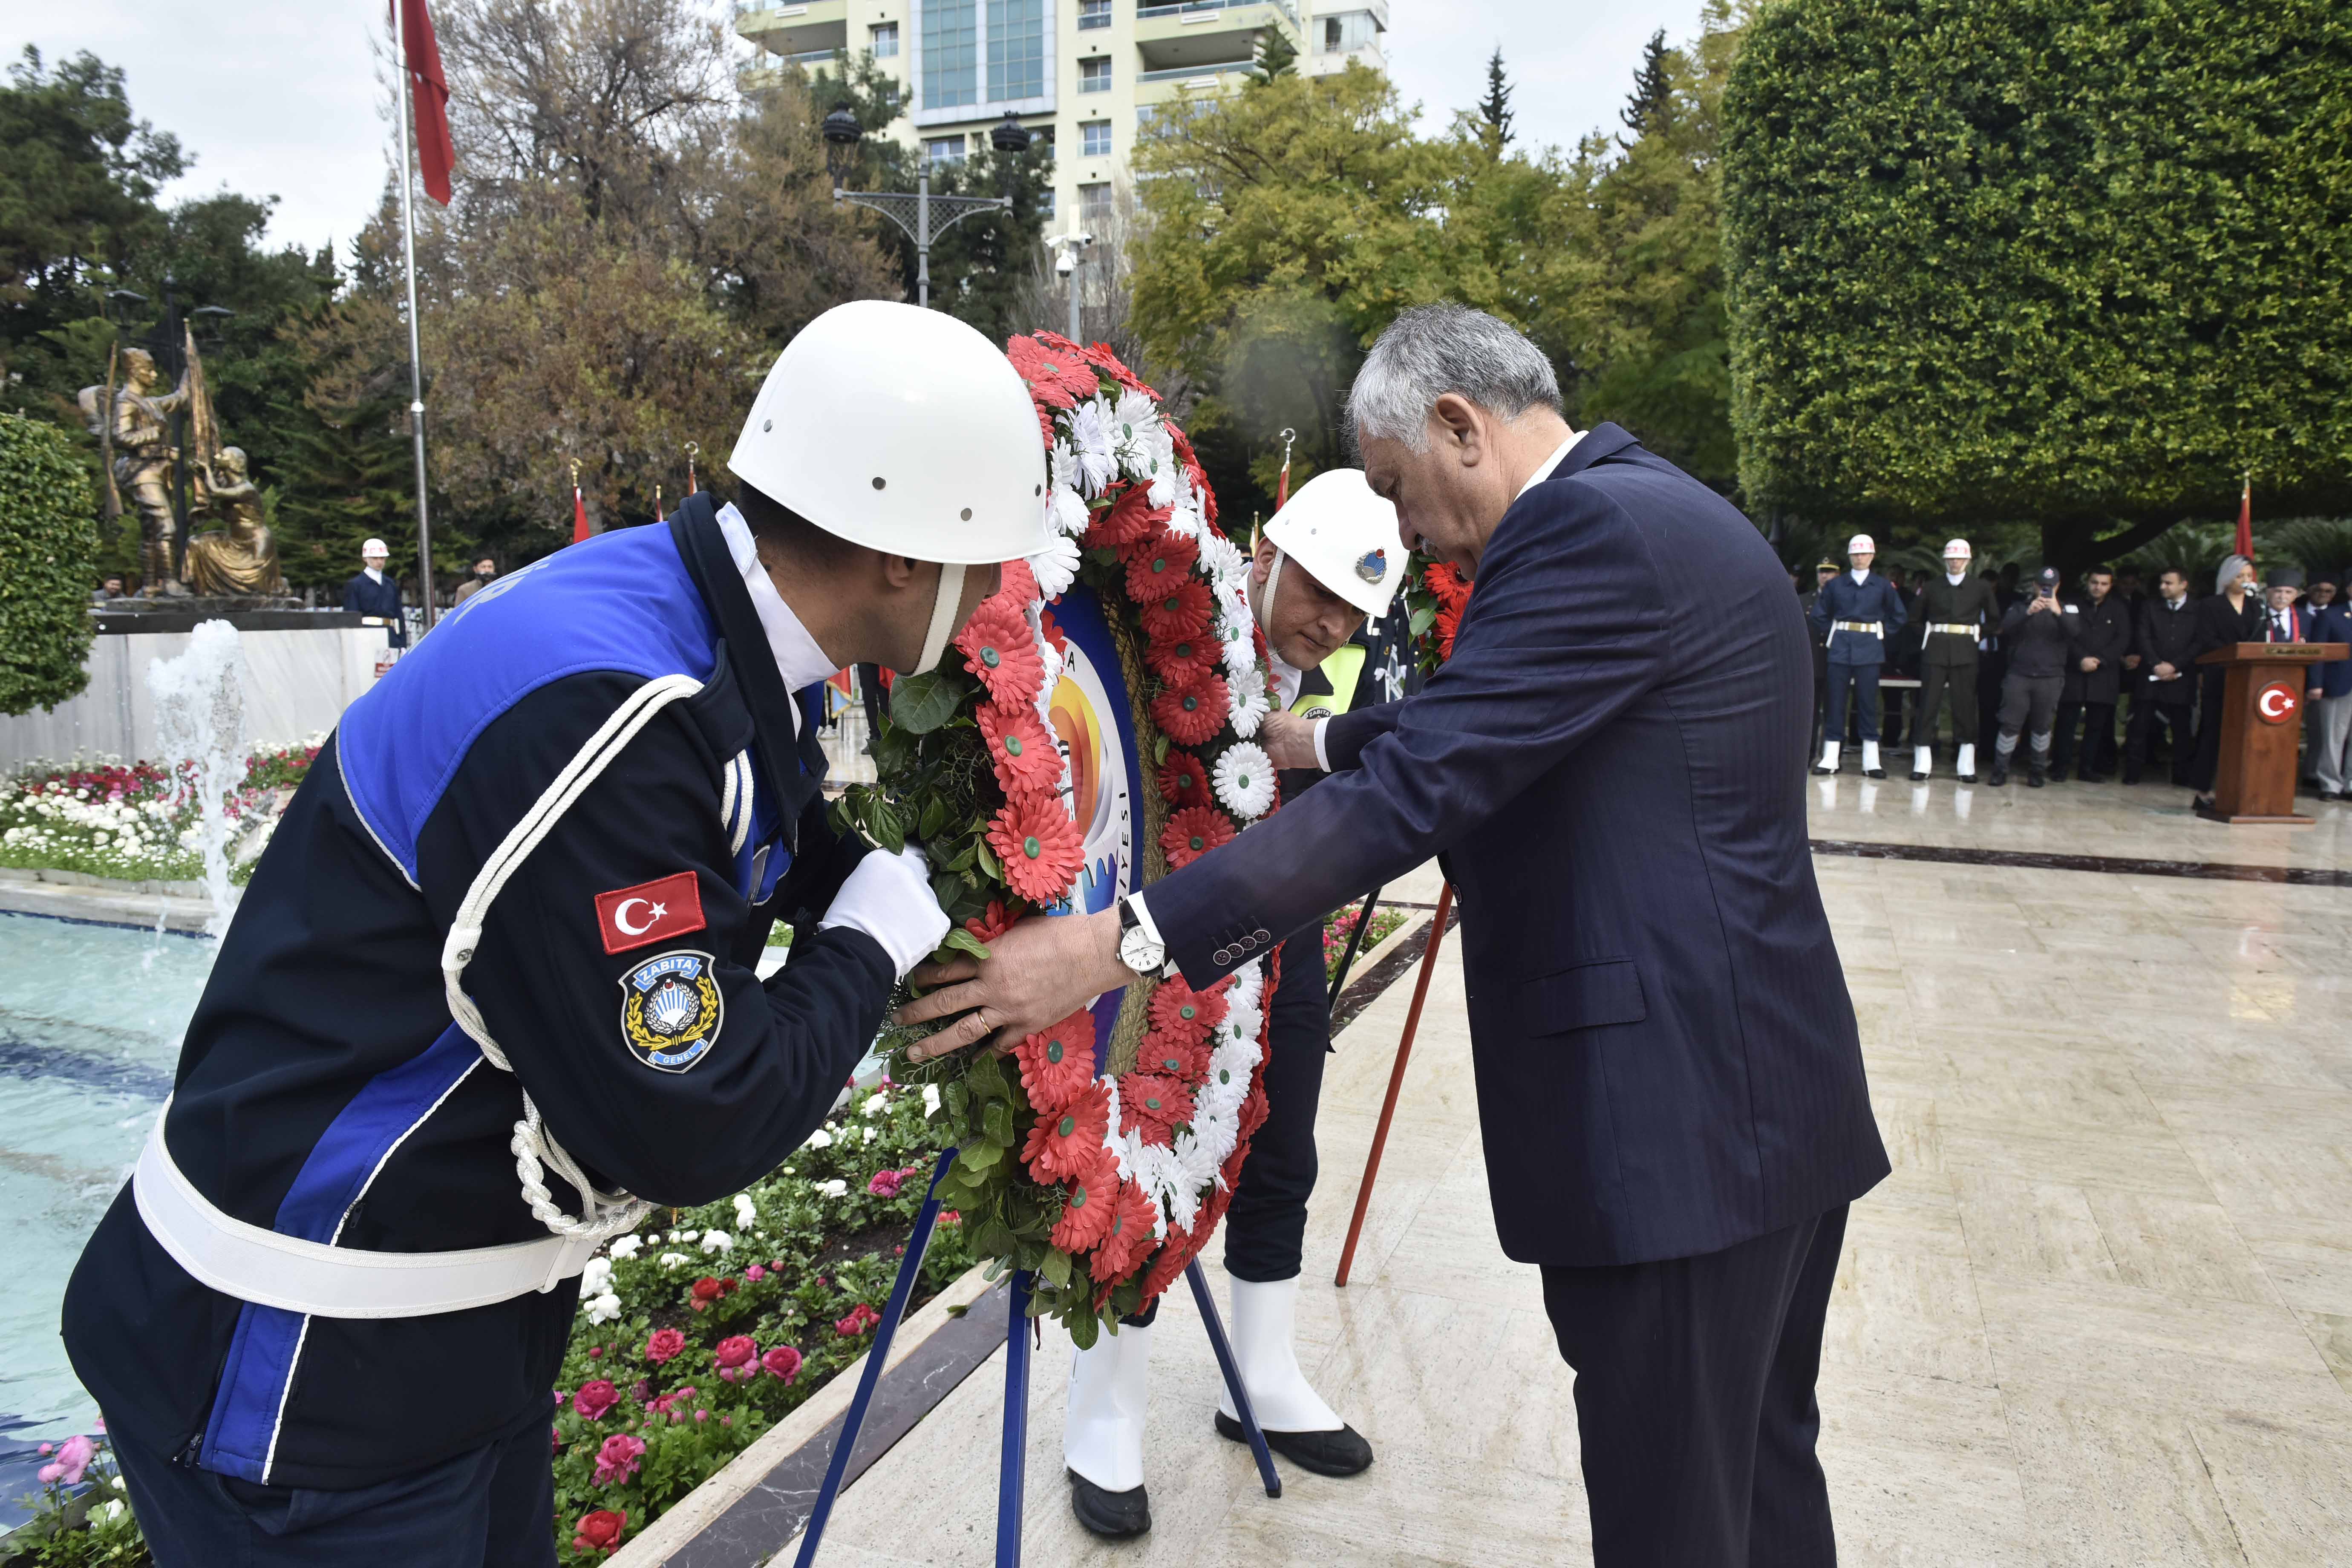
(671, 1010)
(649, 913)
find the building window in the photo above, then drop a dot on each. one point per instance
(1349, 31)
(943, 151)
(1093, 14)
(1016, 50)
(1094, 75)
(1094, 201)
(950, 55)
(1096, 136)
(1045, 202)
(886, 40)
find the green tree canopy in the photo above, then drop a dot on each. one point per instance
(48, 549)
(2082, 262)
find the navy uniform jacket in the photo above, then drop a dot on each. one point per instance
(1843, 599)
(1667, 1060)
(2333, 623)
(366, 597)
(324, 1092)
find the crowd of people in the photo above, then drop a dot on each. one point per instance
(2062, 669)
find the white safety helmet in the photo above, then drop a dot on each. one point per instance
(1859, 542)
(1345, 536)
(372, 547)
(904, 430)
(1958, 547)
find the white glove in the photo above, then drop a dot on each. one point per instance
(888, 897)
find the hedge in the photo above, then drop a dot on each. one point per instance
(48, 557)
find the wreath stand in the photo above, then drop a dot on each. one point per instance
(1396, 1073)
(1011, 1464)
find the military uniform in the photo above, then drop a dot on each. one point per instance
(1858, 620)
(1953, 619)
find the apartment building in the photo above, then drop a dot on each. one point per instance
(1083, 74)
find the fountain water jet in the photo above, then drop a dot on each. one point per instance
(200, 731)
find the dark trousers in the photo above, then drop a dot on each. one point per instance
(2213, 683)
(491, 1508)
(2098, 751)
(1267, 1224)
(2146, 715)
(1992, 672)
(1863, 680)
(1935, 680)
(1694, 1401)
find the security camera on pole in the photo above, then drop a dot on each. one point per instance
(1070, 254)
(1859, 612)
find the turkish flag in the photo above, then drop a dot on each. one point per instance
(2246, 519)
(649, 913)
(435, 155)
(579, 516)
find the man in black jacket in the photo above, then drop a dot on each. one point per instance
(2093, 678)
(2040, 635)
(1956, 612)
(2165, 682)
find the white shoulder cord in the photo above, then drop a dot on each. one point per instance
(602, 1214)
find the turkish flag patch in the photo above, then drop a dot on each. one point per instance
(649, 913)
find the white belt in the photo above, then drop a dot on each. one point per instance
(1870, 626)
(1952, 626)
(272, 1270)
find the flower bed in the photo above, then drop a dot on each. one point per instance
(128, 821)
(1341, 925)
(694, 1336)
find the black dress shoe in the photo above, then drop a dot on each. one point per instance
(1340, 1453)
(1997, 778)
(1967, 778)
(1918, 777)
(1822, 773)
(1114, 1516)
(2208, 810)
(2131, 777)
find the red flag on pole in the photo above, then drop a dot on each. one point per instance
(2246, 519)
(431, 93)
(579, 509)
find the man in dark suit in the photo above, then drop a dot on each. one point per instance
(1670, 1081)
(2093, 678)
(2166, 678)
(373, 592)
(2330, 695)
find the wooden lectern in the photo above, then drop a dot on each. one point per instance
(2261, 720)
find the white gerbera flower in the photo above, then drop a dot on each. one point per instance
(1066, 472)
(1221, 558)
(604, 1308)
(1240, 655)
(1157, 460)
(1244, 779)
(1067, 510)
(1250, 705)
(1055, 567)
(1049, 664)
(1094, 436)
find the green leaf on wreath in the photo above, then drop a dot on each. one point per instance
(987, 860)
(987, 1078)
(1085, 1330)
(996, 1122)
(1056, 1268)
(963, 941)
(934, 817)
(890, 833)
(922, 703)
(959, 1100)
(977, 1158)
(1423, 617)
(1158, 750)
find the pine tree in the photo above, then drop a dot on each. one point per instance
(1496, 107)
(1276, 55)
(1652, 99)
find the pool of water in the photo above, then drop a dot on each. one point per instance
(90, 1020)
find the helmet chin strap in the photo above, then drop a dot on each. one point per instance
(944, 602)
(1266, 604)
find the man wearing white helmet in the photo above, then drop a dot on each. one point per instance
(492, 994)
(1328, 561)
(1859, 612)
(1957, 611)
(372, 593)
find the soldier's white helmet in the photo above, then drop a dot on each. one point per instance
(901, 429)
(1859, 542)
(1345, 536)
(374, 547)
(1958, 547)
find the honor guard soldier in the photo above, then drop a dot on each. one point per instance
(490, 996)
(1329, 561)
(1858, 613)
(1956, 612)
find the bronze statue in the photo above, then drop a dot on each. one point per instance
(145, 459)
(242, 558)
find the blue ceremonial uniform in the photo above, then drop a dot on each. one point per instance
(1840, 607)
(327, 1093)
(365, 596)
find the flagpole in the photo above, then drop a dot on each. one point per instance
(416, 367)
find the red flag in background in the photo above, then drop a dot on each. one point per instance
(431, 95)
(578, 514)
(2246, 519)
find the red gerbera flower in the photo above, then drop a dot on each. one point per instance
(1180, 1057)
(1038, 845)
(1253, 1109)
(1192, 833)
(1201, 488)
(1183, 660)
(998, 648)
(1176, 1254)
(1180, 1011)
(994, 922)
(1065, 1142)
(1156, 563)
(1181, 612)
(1229, 1174)
(1102, 359)
(1090, 1204)
(1018, 743)
(1131, 518)
(1057, 1062)
(1129, 1239)
(1449, 626)
(1183, 780)
(1154, 1103)
(1191, 714)
(1019, 585)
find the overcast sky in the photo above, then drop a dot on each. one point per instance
(278, 97)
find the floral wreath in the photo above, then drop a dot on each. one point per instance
(1436, 593)
(1101, 1166)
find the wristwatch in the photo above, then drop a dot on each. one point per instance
(1138, 949)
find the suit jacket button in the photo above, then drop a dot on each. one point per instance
(1262, 934)
(1221, 957)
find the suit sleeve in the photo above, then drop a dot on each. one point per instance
(553, 996)
(1567, 628)
(1347, 735)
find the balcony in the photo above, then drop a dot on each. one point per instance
(810, 27)
(1201, 34)
(1167, 85)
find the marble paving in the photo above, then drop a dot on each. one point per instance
(2099, 1317)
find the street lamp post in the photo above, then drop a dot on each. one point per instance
(913, 213)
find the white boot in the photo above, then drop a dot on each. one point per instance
(1268, 1353)
(1923, 761)
(1829, 763)
(1968, 763)
(1103, 1438)
(1870, 760)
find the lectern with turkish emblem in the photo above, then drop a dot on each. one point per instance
(2262, 719)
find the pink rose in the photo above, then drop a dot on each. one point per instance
(616, 1461)
(886, 1184)
(595, 1398)
(782, 1362)
(665, 1343)
(755, 1274)
(861, 1319)
(736, 1357)
(599, 1532)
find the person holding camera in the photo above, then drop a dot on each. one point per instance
(2040, 635)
